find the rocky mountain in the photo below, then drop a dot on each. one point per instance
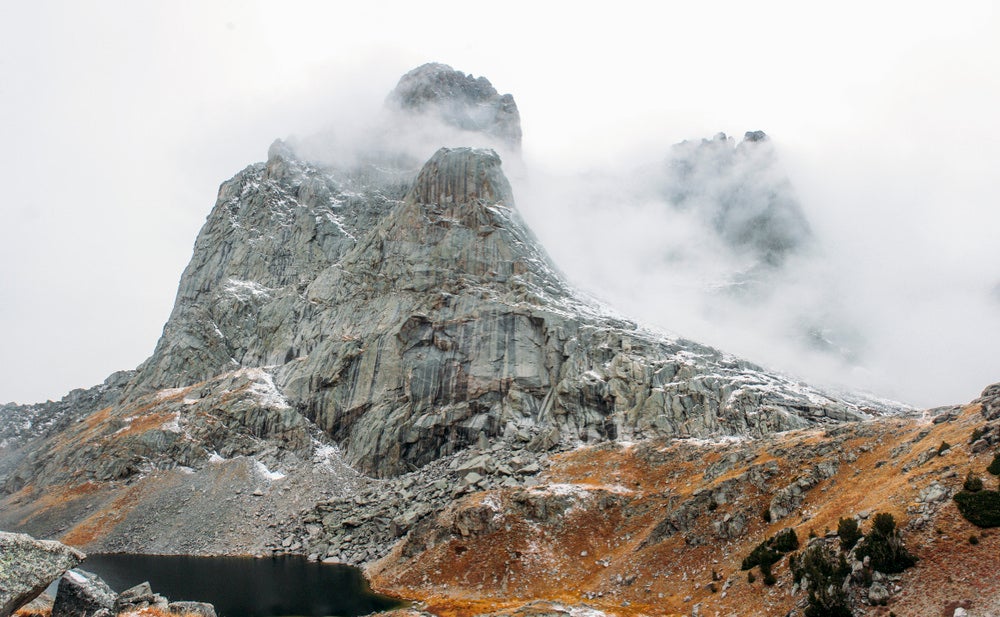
(357, 348)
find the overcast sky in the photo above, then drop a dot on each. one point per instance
(120, 120)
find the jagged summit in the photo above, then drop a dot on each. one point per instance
(459, 100)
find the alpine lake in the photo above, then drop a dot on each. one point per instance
(245, 586)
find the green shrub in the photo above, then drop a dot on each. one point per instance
(994, 467)
(785, 541)
(770, 551)
(762, 555)
(750, 577)
(769, 578)
(973, 540)
(849, 533)
(766, 515)
(977, 433)
(973, 483)
(884, 523)
(981, 508)
(884, 546)
(944, 447)
(825, 574)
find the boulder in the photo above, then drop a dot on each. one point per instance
(202, 609)
(28, 566)
(139, 597)
(878, 595)
(82, 594)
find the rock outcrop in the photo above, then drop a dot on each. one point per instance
(28, 566)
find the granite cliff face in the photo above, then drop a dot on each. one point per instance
(382, 317)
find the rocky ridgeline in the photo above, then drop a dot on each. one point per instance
(236, 414)
(20, 424)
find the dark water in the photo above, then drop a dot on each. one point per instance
(246, 587)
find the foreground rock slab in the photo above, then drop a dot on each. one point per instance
(27, 566)
(83, 594)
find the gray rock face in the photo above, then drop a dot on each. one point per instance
(27, 566)
(459, 100)
(83, 594)
(742, 191)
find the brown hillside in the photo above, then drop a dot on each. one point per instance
(660, 527)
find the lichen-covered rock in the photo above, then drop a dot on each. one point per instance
(28, 566)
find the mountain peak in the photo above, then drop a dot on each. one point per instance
(462, 176)
(459, 100)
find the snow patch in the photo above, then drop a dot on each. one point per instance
(168, 392)
(174, 425)
(266, 473)
(245, 289)
(263, 388)
(580, 490)
(76, 576)
(585, 611)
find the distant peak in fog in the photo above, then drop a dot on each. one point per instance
(742, 191)
(459, 100)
